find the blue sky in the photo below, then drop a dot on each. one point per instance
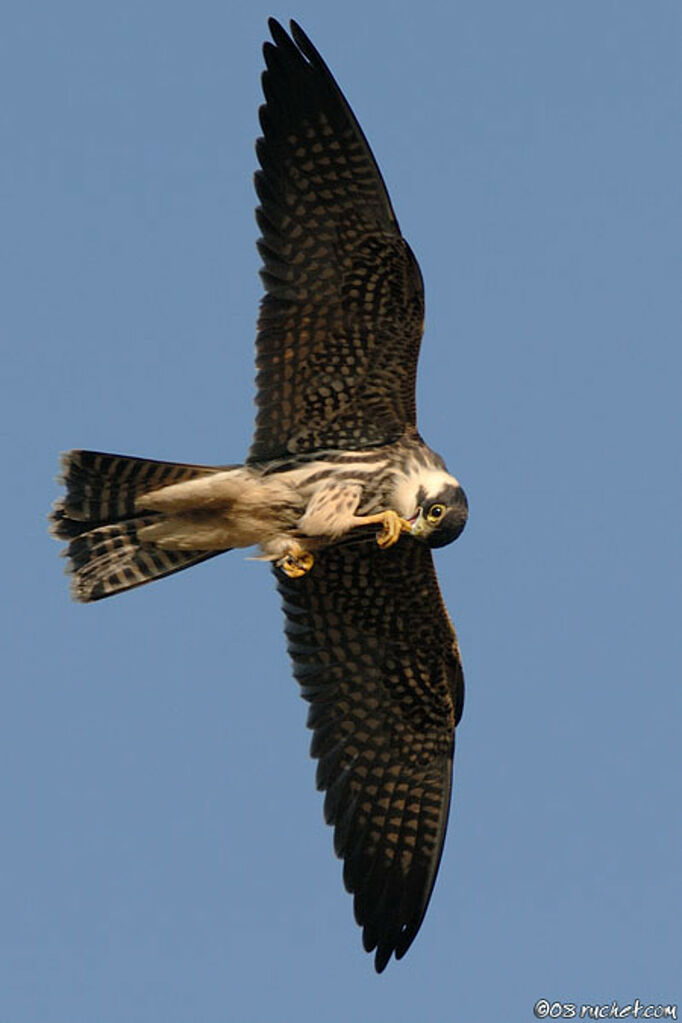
(164, 855)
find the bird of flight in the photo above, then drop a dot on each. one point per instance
(338, 491)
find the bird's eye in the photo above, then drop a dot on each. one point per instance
(435, 512)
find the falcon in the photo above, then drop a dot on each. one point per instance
(338, 491)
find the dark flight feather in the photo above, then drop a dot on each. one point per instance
(377, 657)
(341, 321)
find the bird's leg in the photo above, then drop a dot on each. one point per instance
(392, 526)
(296, 561)
(331, 514)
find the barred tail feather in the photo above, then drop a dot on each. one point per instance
(110, 559)
(99, 519)
(103, 488)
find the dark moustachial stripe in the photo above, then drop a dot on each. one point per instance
(336, 354)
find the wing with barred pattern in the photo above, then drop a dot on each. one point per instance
(377, 658)
(341, 322)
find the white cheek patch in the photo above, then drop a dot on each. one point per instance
(405, 497)
(432, 481)
(435, 481)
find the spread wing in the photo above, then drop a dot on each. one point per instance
(341, 321)
(377, 658)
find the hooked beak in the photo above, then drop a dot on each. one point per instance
(417, 523)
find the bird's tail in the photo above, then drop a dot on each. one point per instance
(99, 518)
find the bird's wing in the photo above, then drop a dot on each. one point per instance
(342, 318)
(377, 658)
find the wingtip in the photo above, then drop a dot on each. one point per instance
(296, 39)
(298, 35)
(279, 34)
(381, 959)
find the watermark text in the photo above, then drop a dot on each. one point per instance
(544, 1009)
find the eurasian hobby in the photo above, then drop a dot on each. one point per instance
(338, 491)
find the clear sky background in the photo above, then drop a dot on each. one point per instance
(163, 855)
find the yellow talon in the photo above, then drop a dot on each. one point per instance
(296, 563)
(392, 526)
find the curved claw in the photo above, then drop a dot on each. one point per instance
(392, 526)
(296, 562)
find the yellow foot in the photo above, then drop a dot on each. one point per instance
(296, 562)
(392, 527)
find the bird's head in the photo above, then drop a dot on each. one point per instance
(441, 513)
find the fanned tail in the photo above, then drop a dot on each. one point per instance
(98, 517)
(103, 488)
(110, 559)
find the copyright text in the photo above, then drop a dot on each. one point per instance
(544, 1009)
